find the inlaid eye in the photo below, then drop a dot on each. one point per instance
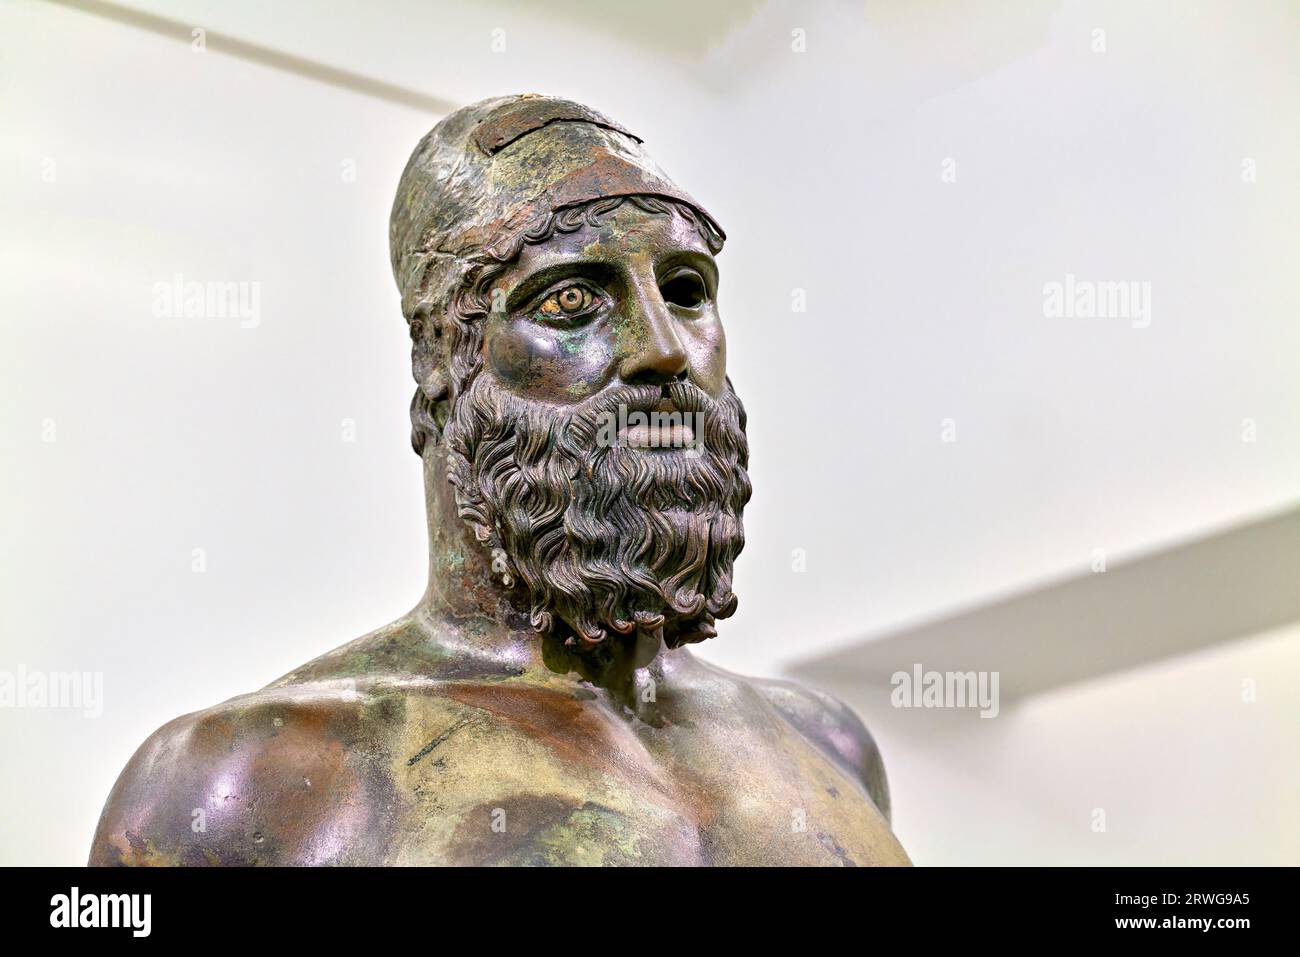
(567, 302)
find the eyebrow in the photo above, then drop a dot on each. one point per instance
(705, 264)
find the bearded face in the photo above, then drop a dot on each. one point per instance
(607, 537)
(599, 450)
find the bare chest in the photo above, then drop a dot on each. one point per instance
(595, 792)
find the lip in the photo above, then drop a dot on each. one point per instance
(659, 437)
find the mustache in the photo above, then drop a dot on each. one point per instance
(577, 429)
(684, 395)
(537, 430)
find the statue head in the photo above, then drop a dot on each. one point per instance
(571, 368)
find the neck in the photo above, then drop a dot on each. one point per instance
(474, 615)
(461, 582)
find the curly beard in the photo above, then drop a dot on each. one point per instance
(604, 537)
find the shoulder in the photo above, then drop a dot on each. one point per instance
(833, 727)
(245, 782)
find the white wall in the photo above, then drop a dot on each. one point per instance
(128, 159)
(1192, 761)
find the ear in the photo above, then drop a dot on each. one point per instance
(429, 366)
(429, 358)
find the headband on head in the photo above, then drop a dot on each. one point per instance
(488, 172)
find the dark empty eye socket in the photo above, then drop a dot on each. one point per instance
(685, 290)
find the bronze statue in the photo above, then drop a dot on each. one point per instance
(584, 466)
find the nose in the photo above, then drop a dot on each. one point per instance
(654, 354)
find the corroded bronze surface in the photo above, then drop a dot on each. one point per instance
(540, 704)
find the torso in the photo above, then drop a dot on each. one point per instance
(505, 768)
